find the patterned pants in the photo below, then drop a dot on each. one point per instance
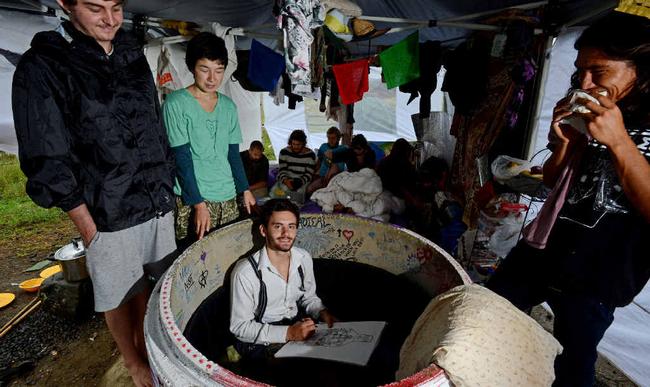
(220, 214)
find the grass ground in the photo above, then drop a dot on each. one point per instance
(20, 218)
(268, 148)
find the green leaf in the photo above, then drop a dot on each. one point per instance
(40, 265)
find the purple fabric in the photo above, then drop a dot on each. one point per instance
(537, 232)
(310, 207)
(273, 174)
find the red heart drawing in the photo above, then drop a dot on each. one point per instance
(348, 234)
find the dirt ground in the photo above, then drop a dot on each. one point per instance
(87, 355)
(80, 358)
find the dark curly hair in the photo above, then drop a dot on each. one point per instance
(298, 135)
(277, 205)
(206, 45)
(624, 37)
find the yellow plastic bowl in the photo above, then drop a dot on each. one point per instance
(31, 285)
(50, 271)
(6, 299)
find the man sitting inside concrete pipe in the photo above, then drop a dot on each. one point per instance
(273, 291)
(353, 291)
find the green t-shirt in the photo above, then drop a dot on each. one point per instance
(208, 135)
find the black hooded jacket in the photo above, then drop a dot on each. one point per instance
(90, 131)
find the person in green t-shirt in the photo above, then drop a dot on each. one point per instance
(203, 129)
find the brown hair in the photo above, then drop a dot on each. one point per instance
(334, 130)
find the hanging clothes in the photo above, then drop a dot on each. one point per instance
(318, 59)
(168, 78)
(480, 118)
(241, 73)
(265, 66)
(425, 85)
(296, 19)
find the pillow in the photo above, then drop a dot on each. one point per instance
(480, 339)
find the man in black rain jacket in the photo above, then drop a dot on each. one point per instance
(91, 142)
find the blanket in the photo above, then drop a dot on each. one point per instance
(362, 192)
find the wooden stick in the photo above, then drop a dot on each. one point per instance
(19, 313)
(30, 310)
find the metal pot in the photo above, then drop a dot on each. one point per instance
(72, 258)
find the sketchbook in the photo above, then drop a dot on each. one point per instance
(347, 342)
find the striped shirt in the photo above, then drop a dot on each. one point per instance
(297, 165)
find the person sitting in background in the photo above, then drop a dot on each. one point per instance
(256, 166)
(432, 175)
(297, 164)
(398, 175)
(358, 156)
(326, 169)
(203, 129)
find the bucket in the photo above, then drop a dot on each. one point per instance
(72, 258)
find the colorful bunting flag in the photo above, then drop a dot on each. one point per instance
(352, 80)
(401, 62)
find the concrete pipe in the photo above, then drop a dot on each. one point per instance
(201, 270)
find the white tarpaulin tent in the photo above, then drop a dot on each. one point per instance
(453, 19)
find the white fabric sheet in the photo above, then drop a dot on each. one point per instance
(627, 341)
(16, 30)
(557, 83)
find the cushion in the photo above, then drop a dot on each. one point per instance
(480, 339)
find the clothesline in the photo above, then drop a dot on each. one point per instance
(455, 22)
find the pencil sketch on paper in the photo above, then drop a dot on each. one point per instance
(338, 337)
(347, 342)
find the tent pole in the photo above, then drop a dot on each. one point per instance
(454, 19)
(487, 13)
(433, 23)
(532, 130)
(469, 26)
(27, 5)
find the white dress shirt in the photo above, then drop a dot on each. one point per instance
(282, 297)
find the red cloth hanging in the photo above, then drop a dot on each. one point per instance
(352, 80)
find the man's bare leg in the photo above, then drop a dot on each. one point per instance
(124, 322)
(139, 309)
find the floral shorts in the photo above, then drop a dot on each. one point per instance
(220, 214)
